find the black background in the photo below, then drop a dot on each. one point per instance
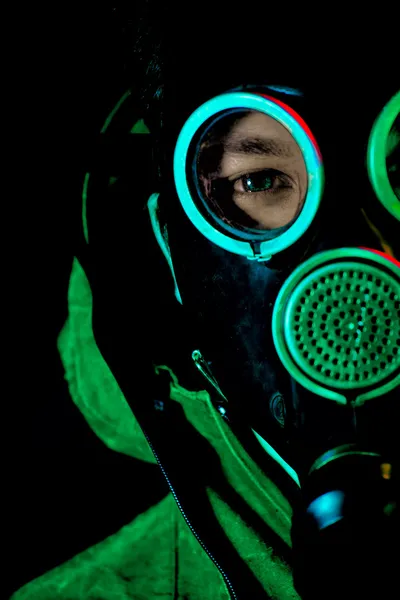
(64, 489)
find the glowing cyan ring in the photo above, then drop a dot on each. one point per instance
(376, 157)
(312, 160)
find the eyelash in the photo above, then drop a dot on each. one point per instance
(273, 173)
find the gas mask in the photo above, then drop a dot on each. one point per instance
(284, 249)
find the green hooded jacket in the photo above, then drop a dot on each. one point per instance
(161, 553)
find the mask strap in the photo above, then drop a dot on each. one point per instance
(162, 239)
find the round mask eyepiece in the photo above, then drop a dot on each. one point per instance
(383, 157)
(248, 174)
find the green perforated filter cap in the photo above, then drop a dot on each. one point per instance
(336, 325)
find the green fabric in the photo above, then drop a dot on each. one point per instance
(253, 486)
(92, 386)
(140, 127)
(271, 572)
(157, 556)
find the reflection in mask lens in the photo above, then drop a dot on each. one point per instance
(250, 172)
(393, 156)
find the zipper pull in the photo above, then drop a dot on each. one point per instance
(205, 370)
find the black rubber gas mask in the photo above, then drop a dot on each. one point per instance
(284, 247)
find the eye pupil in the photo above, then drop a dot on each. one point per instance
(258, 182)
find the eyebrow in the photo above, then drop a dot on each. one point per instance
(257, 145)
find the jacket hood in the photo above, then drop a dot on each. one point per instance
(238, 509)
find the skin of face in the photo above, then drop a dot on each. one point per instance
(281, 163)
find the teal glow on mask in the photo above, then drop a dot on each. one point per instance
(327, 509)
(336, 325)
(241, 101)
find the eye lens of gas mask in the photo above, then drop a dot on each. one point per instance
(383, 158)
(248, 174)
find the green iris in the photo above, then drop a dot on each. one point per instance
(258, 182)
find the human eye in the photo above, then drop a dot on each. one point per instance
(251, 173)
(264, 181)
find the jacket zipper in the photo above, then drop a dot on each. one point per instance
(229, 585)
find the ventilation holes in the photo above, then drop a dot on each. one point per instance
(332, 305)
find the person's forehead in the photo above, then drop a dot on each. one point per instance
(258, 134)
